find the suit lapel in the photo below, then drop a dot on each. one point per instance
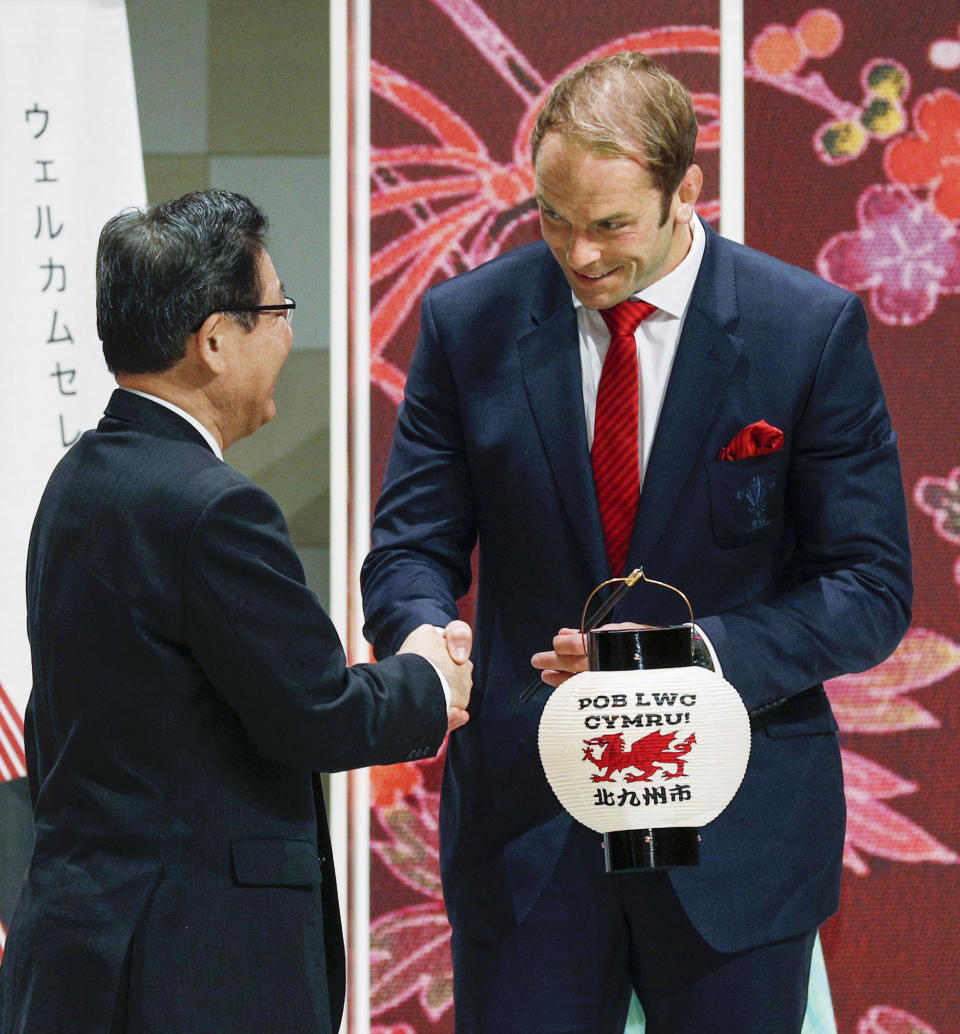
(550, 365)
(706, 356)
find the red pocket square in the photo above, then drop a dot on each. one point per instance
(757, 439)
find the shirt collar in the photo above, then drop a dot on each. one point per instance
(671, 293)
(191, 420)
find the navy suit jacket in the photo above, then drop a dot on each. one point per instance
(186, 684)
(796, 563)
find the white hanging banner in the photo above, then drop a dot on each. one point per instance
(71, 159)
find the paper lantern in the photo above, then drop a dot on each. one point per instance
(653, 754)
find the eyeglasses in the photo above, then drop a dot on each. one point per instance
(286, 308)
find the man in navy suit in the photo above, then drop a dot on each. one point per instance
(186, 681)
(795, 558)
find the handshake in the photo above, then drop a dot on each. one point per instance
(448, 649)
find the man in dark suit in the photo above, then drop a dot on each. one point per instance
(794, 555)
(186, 682)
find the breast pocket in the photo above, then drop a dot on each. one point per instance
(746, 498)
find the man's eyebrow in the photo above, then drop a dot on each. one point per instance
(611, 217)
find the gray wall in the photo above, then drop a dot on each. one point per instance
(235, 95)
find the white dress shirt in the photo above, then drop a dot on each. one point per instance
(657, 338)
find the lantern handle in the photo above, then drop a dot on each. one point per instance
(626, 584)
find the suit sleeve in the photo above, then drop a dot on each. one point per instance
(848, 602)
(425, 524)
(266, 644)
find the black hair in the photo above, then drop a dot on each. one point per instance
(162, 270)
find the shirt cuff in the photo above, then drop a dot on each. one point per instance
(444, 685)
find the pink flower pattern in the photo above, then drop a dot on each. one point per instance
(876, 701)
(905, 253)
(410, 946)
(939, 498)
(875, 828)
(884, 1019)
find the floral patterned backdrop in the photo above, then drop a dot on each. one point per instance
(852, 170)
(871, 194)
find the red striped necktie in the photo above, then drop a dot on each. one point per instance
(616, 452)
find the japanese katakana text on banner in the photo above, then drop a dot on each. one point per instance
(71, 159)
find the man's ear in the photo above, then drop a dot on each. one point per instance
(207, 344)
(688, 192)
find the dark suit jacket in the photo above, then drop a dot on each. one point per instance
(186, 684)
(796, 564)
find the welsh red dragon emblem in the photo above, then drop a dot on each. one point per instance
(648, 756)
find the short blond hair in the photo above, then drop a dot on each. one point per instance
(625, 105)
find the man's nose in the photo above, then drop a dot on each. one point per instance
(581, 250)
